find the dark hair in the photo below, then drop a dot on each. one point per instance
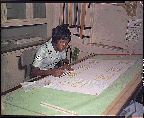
(61, 32)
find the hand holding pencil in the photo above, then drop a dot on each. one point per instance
(57, 72)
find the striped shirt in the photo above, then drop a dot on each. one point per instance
(46, 56)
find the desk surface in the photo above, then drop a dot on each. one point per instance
(19, 102)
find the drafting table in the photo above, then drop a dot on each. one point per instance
(109, 102)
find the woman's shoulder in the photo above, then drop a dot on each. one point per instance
(48, 43)
(46, 46)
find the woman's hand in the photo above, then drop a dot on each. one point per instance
(56, 72)
(67, 67)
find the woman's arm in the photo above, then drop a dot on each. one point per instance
(66, 64)
(37, 72)
(66, 61)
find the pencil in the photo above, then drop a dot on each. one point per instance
(58, 68)
(64, 71)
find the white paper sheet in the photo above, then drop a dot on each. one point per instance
(91, 76)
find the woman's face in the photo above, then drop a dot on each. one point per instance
(61, 44)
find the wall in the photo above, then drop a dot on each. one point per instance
(109, 24)
(109, 27)
(39, 30)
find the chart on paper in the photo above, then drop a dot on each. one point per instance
(91, 76)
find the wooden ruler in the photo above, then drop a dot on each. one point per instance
(63, 12)
(66, 13)
(70, 15)
(58, 109)
(61, 9)
(83, 19)
(75, 13)
(79, 13)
